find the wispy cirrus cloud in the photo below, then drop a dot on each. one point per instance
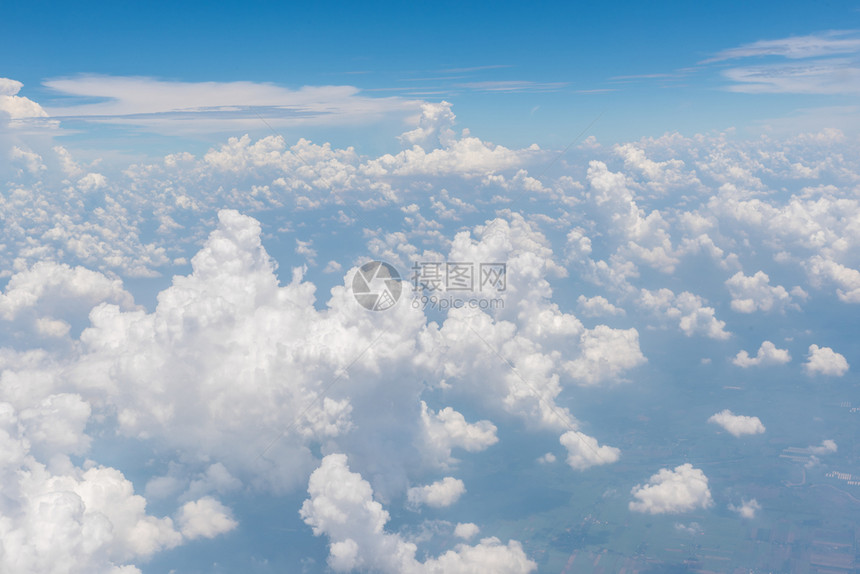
(831, 76)
(796, 47)
(513, 86)
(188, 107)
(826, 64)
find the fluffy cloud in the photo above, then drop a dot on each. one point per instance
(606, 353)
(230, 321)
(441, 493)
(584, 452)
(63, 519)
(466, 530)
(597, 306)
(206, 518)
(825, 361)
(750, 294)
(767, 354)
(848, 279)
(673, 491)
(239, 375)
(53, 286)
(737, 425)
(15, 106)
(827, 446)
(341, 506)
(448, 429)
(689, 310)
(747, 508)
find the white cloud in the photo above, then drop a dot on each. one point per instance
(847, 278)
(825, 361)
(821, 64)
(828, 446)
(447, 429)
(584, 452)
(221, 368)
(646, 234)
(466, 530)
(659, 176)
(51, 285)
(547, 458)
(306, 250)
(794, 47)
(56, 424)
(673, 491)
(750, 294)
(737, 425)
(467, 156)
(52, 327)
(830, 76)
(605, 353)
(205, 518)
(341, 506)
(691, 529)
(174, 107)
(693, 317)
(33, 162)
(768, 354)
(15, 106)
(60, 519)
(747, 509)
(597, 306)
(434, 127)
(439, 494)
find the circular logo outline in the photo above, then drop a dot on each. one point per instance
(376, 286)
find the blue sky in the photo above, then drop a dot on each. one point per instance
(193, 380)
(516, 74)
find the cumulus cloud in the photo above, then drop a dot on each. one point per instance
(434, 127)
(606, 353)
(737, 425)
(823, 269)
(466, 530)
(341, 507)
(747, 508)
(750, 294)
(827, 446)
(689, 310)
(50, 285)
(466, 155)
(239, 374)
(205, 518)
(645, 235)
(17, 107)
(825, 361)
(673, 491)
(447, 429)
(768, 354)
(547, 458)
(597, 306)
(584, 452)
(66, 519)
(441, 493)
